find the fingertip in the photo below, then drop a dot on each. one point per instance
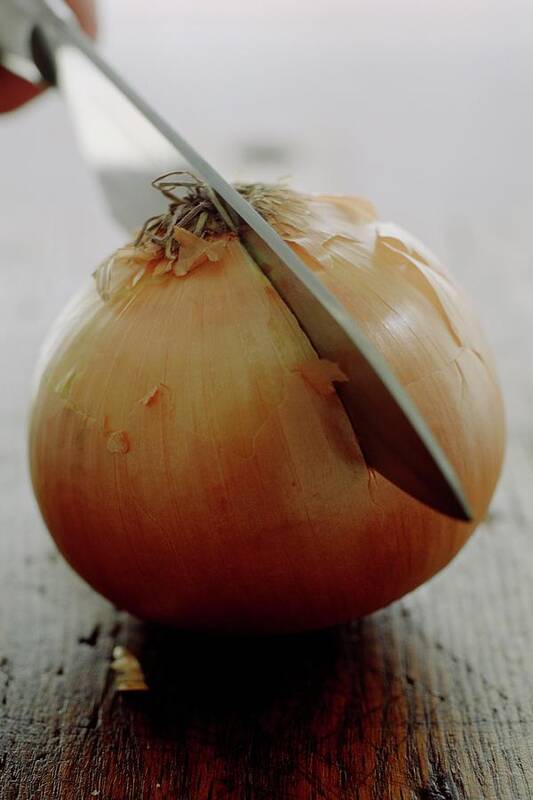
(86, 12)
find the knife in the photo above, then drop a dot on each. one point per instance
(125, 141)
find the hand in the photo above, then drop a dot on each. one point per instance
(15, 91)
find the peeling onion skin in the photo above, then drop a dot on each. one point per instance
(189, 473)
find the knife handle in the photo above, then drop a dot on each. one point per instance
(21, 21)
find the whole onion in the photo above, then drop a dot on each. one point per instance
(189, 452)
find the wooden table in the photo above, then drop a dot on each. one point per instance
(431, 699)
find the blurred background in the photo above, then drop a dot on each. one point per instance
(425, 108)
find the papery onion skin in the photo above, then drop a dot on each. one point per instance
(191, 474)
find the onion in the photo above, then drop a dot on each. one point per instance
(189, 452)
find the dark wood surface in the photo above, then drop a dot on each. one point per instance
(431, 699)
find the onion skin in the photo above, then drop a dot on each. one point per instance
(187, 470)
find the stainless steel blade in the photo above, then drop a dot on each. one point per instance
(125, 139)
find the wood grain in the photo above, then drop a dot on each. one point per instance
(431, 699)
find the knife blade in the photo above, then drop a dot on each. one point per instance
(125, 141)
